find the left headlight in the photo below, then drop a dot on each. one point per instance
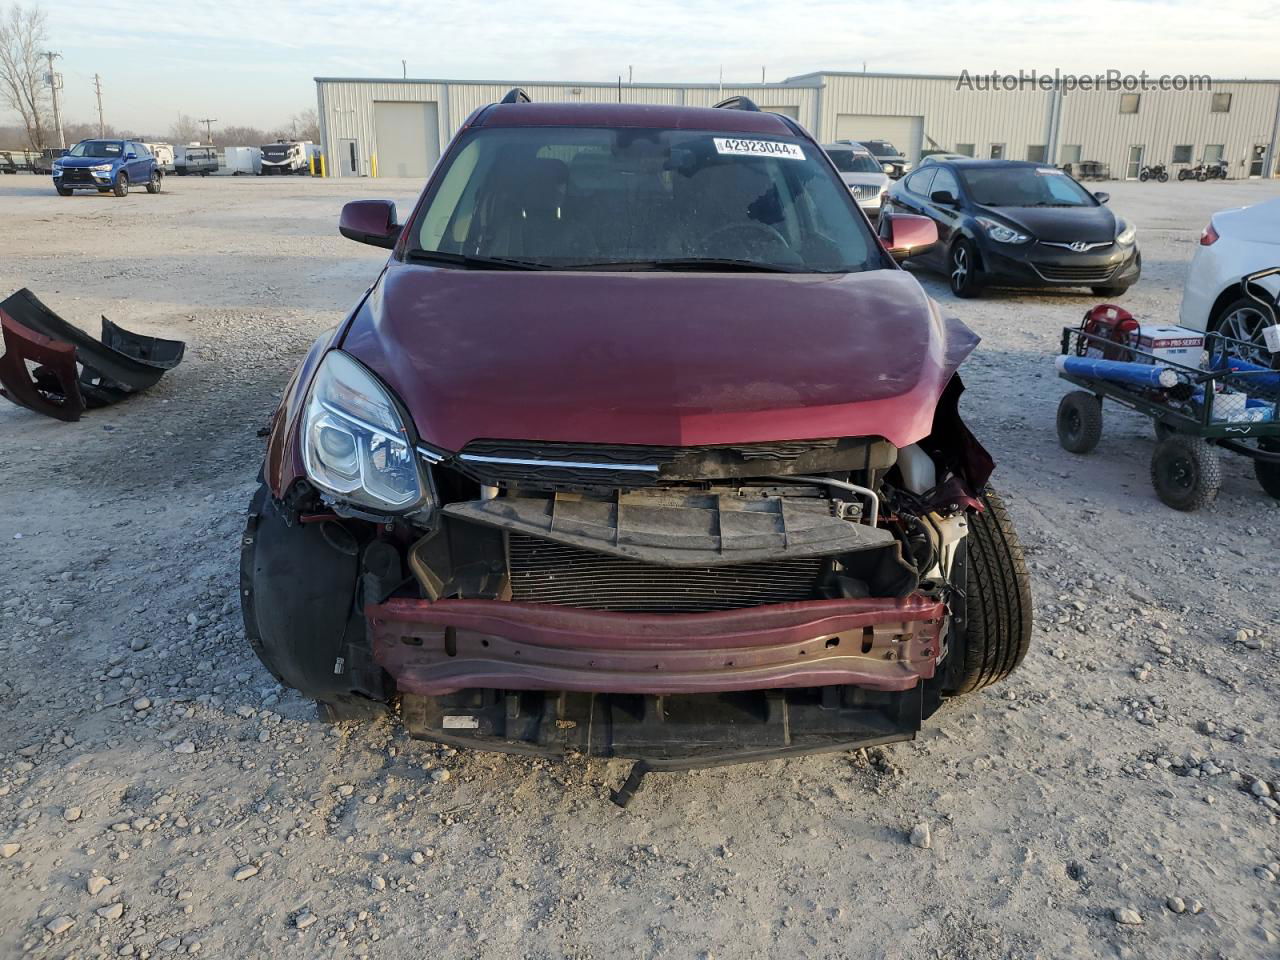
(101, 166)
(355, 443)
(1127, 233)
(1002, 232)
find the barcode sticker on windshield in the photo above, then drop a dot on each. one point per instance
(758, 148)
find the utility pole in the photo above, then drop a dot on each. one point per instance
(55, 84)
(630, 75)
(97, 88)
(208, 127)
(404, 70)
(762, 75)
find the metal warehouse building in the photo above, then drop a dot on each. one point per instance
(396, 128)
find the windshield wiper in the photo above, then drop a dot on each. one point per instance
(690, 264)
(468, 262)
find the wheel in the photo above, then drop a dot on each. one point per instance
(64, 191)
(962, 270)
(121, 187)
(1079, 421)
(1144, 176)
(1243, 320)
(995, 631)
(1186, 472)
(1268, 474)
(1163, 178)
(1110, 292)
(1202, 176)
(153, 184)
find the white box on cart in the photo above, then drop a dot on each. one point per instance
(1165, 341)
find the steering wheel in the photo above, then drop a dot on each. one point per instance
(747, 229)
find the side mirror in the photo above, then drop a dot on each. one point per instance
(1101, 196)
(905, 235)
(944, 197)
(131, 155)
(370, 221)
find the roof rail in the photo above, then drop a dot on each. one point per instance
(516, 95)
(737, 103)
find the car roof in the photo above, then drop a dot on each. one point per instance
(851, 147)
(970, 163)
(633, 115)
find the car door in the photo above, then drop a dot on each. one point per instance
(946, 215)
(136, 168)
(913, 196)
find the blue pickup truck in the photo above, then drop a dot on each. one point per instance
(106, 166)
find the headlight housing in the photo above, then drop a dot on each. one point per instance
(101, 166)
(355, 443)
(1002, 232)
(1126, 233)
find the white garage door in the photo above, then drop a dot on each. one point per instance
(407, 138)
(905, 133)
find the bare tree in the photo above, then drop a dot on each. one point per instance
(22, 86)
(184, 130)
(306, 126)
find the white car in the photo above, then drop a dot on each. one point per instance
(1236, 242)
(862, 174)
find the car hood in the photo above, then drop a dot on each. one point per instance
(84, 161)
(658, 358)
(1058, 224)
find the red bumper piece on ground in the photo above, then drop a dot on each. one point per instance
(438, 648)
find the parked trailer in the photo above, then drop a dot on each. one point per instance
(238, 160)
(193, 158)
(163, 152)
(287, 156)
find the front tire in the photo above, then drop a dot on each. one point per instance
(64, 191)
(121, 186)
(153, 185)
(996, 632)
(1110, 292)
(1143, 177)
(1163, 178)
(1186, 472)
(962, 270)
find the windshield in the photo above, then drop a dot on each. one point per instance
(277, 149)
(98, 148)
(881, 148)
(847, 161)
(586, 197)
(1025, 187)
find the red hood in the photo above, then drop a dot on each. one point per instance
(682, 359)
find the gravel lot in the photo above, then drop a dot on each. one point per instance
(160, 795)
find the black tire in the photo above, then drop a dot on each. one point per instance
(1163, 178)
(1202, 176)
(1185, 472)
(121, 187)
(153, 184)
(996, 631)
(1144, 176)
(1110, 292)
(64, 191)
(1268, 474)
(1079, 421)
(962, 270)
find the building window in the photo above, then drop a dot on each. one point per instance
(997, 151)
(1213, 152)
(1182, 153)
(1221, 103)
(1071, 153)
(1129, 102)
(1036, 153)
(965, 149)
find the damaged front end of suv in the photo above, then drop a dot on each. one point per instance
(695, 492)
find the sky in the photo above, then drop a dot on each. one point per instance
(253, 63)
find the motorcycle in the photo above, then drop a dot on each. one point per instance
(1212, 171)
(1192, 173)
(1155, 171)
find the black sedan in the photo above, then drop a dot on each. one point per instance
(1004, 223)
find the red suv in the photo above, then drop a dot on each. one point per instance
(641, 445)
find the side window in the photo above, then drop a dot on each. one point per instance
(919, 182)
(945, 180)
(1182, 153)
